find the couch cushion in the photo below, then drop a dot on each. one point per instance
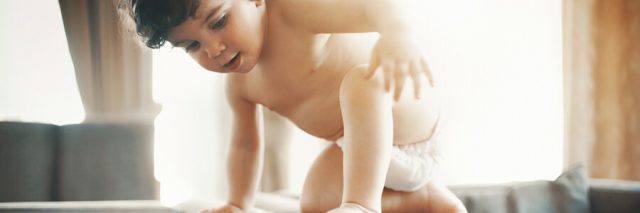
(568, 193)
(534, 196)
(106, 162)
(614, 196)
(27, 161)
(571, 190)
(483, 198)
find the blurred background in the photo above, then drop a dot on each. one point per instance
(529, 88)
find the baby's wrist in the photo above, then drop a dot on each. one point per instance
(395, 18)
(404, 34)
(397, 30)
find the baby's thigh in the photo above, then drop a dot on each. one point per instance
(416, 119)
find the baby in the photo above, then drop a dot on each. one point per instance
(308, 61)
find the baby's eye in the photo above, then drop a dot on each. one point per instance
(220, 23)
(192, 46)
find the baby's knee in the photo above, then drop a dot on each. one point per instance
(319, 197)
(308, 206)
(314, 203)
(356, 75)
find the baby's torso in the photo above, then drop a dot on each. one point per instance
(301, 81)
(303, 84)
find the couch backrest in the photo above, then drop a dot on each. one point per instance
(27, 156)
(43, 162)
(106, 162)
(568, 193)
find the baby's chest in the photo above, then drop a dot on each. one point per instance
(314, 107)
(320, 118)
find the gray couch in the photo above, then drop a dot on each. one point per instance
(84, 167)
(80, 162)
(571, 192)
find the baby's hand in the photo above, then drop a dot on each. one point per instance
(350, 208)
(398, 55)
(229, 208)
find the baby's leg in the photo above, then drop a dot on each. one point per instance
(442, 199)
(323, 190)
(433, 197)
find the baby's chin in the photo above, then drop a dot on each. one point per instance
(246, 66)
(240, 70)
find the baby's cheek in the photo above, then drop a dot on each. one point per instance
(204, 62)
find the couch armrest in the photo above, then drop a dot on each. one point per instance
(614, 196)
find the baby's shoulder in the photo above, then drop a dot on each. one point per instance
(236, 85)
(289, 14)
(244, 86)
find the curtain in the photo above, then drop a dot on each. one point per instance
(602, 86)
(113, 72)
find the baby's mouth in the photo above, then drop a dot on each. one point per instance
(232, 60)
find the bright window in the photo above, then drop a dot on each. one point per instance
(500, 66)
(191, 131)
(37, 79)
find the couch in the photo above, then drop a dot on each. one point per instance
(109, 168)
(571, 192)
(78, 162)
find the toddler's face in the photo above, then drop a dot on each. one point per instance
(223, 36)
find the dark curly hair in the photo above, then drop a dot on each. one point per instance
(152, 19)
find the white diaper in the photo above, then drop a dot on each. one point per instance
(411, 165)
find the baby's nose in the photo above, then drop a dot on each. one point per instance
(215, 50)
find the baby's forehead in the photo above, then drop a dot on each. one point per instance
(204, 9)
(206, 5)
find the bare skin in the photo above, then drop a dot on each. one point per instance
(288, 56)
(325, 196)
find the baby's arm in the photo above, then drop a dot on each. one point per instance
(368, 138)
(397, 51)
(244, 162)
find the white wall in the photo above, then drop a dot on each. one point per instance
(500, 70)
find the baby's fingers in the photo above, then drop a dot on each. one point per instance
(427, 71)
(373, 66)
(415, 76)
(389, 69)
(400, 77)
